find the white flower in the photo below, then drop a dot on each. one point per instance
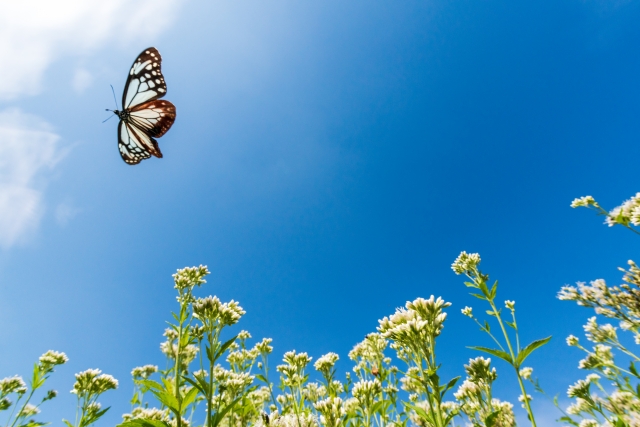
(29, 411)
(144, 371)
(526, 373)
(188, 277)
(326, 362)
(12, 384)
(52, 358)
(572, 340)
(465, 263)
(584, 201)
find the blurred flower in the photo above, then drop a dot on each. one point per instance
(144, 372)
(189, 277)
(12, 384)
(526, 373)
(584, 201)
(465, 263)
(325, 363)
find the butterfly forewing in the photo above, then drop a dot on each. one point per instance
(144, 116)
(153, 117)
(135, 145)
(145, 81)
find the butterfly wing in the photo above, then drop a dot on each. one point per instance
(145, 81)
(135, 144)
(153, 117)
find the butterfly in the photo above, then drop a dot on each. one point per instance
(144, 116)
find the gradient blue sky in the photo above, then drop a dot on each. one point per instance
(328, 163)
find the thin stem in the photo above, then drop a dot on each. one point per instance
(23, 406)
(513, 358)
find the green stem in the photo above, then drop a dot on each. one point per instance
(513, 358)
(177, 366)
(23, 406)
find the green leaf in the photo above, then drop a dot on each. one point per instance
(491, 313)
(525, 352)
(262, 378)
(568, 420)
(67, 423)
(482, 297)
(418, 410)
(510, 324)
(632, 369)
(486, 326)
(33, 423)
(189, 397)
(195, 384)
(224, 348)
(497, 353)
(218, 417)
(494, 290)
(162, 394)
(143, 423)
(449, 386)
(491, 419)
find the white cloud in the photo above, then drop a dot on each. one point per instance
(65, 213)
(34, 33)
(28, 152)
(82, 79)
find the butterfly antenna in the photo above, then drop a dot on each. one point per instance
(114, 96)
(107, 117)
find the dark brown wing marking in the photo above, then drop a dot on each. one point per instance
(145, 81)
(153, 117)
(135, 145)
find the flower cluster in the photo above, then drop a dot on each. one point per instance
(144, 372)
(93, 382)
(420, 322)
(212, 310)
(465, 263)
(189, 277)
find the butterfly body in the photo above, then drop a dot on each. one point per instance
(144, 115)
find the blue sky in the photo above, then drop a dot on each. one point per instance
(328, 163)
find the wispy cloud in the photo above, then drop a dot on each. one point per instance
(29, 150)
(35, 33)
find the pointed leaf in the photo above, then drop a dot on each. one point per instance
(494, 290)
(144, 423)
(449, 386)
(190, 397)
(195, 384)
(498, 353)
(224, 347)
(525, 352)
(632, 369)
(217, 419)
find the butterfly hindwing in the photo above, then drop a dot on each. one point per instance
(135, 145)
(144, 115)
(153, 117)
(145, 81)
